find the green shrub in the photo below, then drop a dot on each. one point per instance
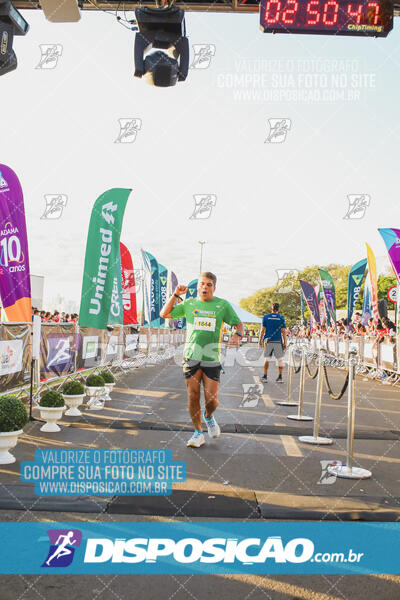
(73, 388)
(108, 377)
(13, 414)
(51, 399)
(95, 381)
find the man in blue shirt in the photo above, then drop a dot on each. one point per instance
(273, 338)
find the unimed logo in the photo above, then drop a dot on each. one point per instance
(189, 550)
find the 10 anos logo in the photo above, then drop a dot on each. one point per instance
(190, 550)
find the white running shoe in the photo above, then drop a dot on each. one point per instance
(196, 440)
(213, 428)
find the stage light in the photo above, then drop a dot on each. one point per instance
(11, 23)
(161, 46)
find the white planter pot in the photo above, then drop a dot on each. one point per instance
(8, 440)
(73, 402)
(109, 389)
(96, 397)
(51, 414)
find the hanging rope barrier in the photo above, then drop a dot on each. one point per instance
(311, 375)
(328, 386)
(295, 369)
(327, 360)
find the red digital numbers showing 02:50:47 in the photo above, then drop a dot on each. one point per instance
(326, 14)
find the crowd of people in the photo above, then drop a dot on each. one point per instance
(380, 329)
(55, 316)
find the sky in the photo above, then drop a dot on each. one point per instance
(278, 205)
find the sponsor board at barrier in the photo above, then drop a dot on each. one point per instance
(388, 355)
(369, 351)
(341, 348)
(90, 346)
(11, 352)
(142, 341)
(131, 342)
(199, 548)
(66, 347)
(15, 353)
(112, 346)
(59, 344)
(59, 354)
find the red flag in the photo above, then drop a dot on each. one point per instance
(128, 287)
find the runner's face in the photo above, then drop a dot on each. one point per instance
(205, 289)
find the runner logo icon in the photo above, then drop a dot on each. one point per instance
(3, 182)
(128, 129)
(252, 392)
(358, 204)
(203, 205)
(326, 477)
(62, 547)
(50, 53)
(203, 54)
(278, 129)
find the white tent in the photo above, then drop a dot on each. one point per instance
(244, 315)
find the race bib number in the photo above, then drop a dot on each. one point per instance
(204, 324)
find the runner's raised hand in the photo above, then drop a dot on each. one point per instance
(181, 289)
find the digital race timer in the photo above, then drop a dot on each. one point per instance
(335, 17)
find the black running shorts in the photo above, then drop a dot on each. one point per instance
(191, 366)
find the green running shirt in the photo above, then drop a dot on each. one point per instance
(204, 322)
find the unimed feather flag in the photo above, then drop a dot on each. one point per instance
(102, 257)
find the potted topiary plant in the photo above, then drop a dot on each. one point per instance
(73, 394)
(109, 382)
(13, 417)
(95, 391)
(52, 406)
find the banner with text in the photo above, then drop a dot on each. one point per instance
(102, 258)
(199, 548)
(128, 286)
(354, 281)
(163, 272)
(311, 300)
(15, 283)
(151, 269)
(328, 288)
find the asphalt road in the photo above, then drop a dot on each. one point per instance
(258, 469)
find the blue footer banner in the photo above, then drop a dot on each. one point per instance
(199, 548)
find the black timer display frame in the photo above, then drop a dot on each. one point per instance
(327, 17)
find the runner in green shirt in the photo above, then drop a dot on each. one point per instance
(205, 316)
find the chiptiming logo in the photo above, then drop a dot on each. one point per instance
(62, 547)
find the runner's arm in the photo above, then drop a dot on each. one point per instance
(239, 328)
(166, 309)
(233, 342)
(262, 331)
(233, 320)
(284, 337)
